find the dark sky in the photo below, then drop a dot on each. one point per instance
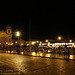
(49, 19)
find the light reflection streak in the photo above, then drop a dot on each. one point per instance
(8, 51)
(22, 53)
(33, 53)
(49, 50)
(71, 56)
(48, 55)
(41, 54)
(12, 51)
(37, 54)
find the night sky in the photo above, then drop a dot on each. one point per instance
(49, 19)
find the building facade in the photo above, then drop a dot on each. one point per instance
(6, 36)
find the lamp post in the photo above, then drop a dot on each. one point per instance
(30, 33)
(59, 38)
(18, 35)
(19, 40)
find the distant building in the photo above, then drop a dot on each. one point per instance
(6, 36)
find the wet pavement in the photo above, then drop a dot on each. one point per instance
(13, 64)
(55, 56)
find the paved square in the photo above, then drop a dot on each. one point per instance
(12, 64)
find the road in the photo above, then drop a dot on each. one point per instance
(12, 64)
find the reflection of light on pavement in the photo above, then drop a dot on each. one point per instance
(12, 51)
(22, 53)
(37, 54)
(8, 51)
(33, 53)
(41, 54)
(19, 65)
(71, 56)
(48, 55)
(49, 51)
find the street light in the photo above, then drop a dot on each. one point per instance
(46, 40)
(18, 34)
(33, 43)
(19, 39)
(70, 41)
(59, 38)
(37, 41)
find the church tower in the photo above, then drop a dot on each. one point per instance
(9, 33)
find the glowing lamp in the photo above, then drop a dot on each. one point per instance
(18, 33)
(59, 38)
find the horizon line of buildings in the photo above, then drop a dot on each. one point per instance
(6, 39)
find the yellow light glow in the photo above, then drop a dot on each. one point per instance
(40, 42)
(11, 43)
(70, 41)
(49, 50)
(16, 42)
(43, 44)
(63, 43)
(41, 54)
(48, 55)
(71, 56)
(33, 53)
(27, 44)
(8, 51)
(21, 43)
(56, 43)
(37, 41)
(37, 54)
(46, 40)
(12, 51)
(33, 43)
(6, 42)
(22, 53)
(59, 38)
(73, 44)
(53, 45)
(48, 44)
(18, 33)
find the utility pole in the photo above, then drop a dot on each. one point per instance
(30, 32)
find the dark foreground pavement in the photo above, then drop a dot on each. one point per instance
(11, 64)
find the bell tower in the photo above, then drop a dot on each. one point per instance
(9, 33)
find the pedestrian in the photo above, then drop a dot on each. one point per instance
(68, 52)
(64, 53)
(10, 50)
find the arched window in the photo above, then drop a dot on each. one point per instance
(8, 31)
